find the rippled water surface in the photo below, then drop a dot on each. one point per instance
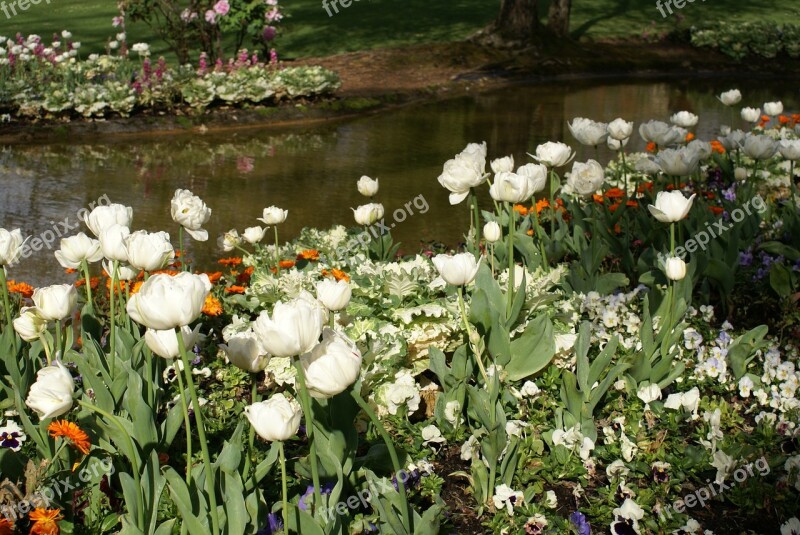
(312, 171)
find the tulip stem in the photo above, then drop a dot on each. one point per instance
(6, 301)
(491, 256)
(477, 214)
(113, 326)
(305, 401)
(463, 311)
(794, 186)
(46, 349)
(211, 487)
(58, 339)
(89, 301)
(407, 516)
(284, 486)
(511, 265)
(181, 249)
(186, 423)
(137, 478)
(252, 435)
(277, 254)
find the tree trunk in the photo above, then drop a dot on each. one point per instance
(518, 19)
(558, 17)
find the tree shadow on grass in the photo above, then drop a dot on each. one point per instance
(584, 28)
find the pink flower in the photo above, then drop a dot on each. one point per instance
(222, 7)
(117, 21)
(211, 17)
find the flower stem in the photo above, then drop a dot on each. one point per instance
(284, 487)
(277, 253)
(252, 435)
(407, 516)
(305, 401)
(113, 318)
(211, 487)
(85, 268)
(511, 232)
(463, 310)
(6, 301)
(46, 349)
(186, 424)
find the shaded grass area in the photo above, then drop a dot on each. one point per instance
(370, 24)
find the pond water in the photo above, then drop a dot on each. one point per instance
(312, 171)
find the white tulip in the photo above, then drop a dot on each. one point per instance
(702, 148)
(462, 173)
(229, 241)
(586, 178)
(51, 395)
(293, 329)
(331, 366)
(167, 302)
(124, 272)
(75, 249)
(751, 115)
(790, 149)
(165, 343)
(274, 216)
(647, 166)
(684, 119)
(732, 140)
(112, 242)
(189, 211)
(678, 162)
(245, 352)
(103, 217)
(731, 98)
(660, 133)
(616, 145)
(457, 270)
(760, 147)
(368, 214)
(275, 419)
(367, 186)
(335, 295)
(30, 324)
(10, 246)
(588, 132)
(620, 129)
(55, 302)
(675, 268)
(511, 187)
(253, 235)
(536, 174)
(503, 165)
(148, 251)
(492, 232)
(740, 174)
(671, 206)
(554, 154)
(773, 108)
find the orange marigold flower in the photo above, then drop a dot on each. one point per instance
(632, 203)
(716, 210)
(244, 277)
(708, 194)
(541, 205)
(530, 232)
(796, 118)
(337, 274)
(765, 118)
(671, 187)
(70, 271)
(597, 198)
(170, 272)
(286, 264)
(6, 526)
(213, 278)
(645, 186)
(689, 137)
(212, 306)
(45, 521)
(235, 289)
(120, 286)
(308, 254)
(232, 261)
(783, 119)
(22, 288)
(615, 193)
(618, 228)
(521, 210)
(651, 147)
(71, 432)
(613, 208)
(136, 287)
(717, 147)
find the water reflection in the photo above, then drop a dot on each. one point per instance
(312, 171)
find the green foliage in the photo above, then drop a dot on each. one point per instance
(764, 39)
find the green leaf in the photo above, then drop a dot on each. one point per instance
(532, 351)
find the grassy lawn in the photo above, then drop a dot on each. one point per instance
(367, 24)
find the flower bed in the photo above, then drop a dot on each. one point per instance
(594, 360)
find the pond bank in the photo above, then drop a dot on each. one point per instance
(378, 80)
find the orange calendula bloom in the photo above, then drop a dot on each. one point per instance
(613, 208)
(45, 521)
(597, 198)
(337, 274)
(717, 147)
(170, 272)
(645, 186)
(235, 289)
(541, 205)
(615, 193)
(232, 261)
(651, 147)
(521, 210)
(286, 264)
(244, 277)
(213, 278)
(136, 287)
(783, 119)
(689, 137)
(530, 232)
(716, 210)
(308, 254)
(71, 432)
(632, 203)
(671, 187)
(212, 306)
(796, 118)
(70, 271)
(22, 288)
